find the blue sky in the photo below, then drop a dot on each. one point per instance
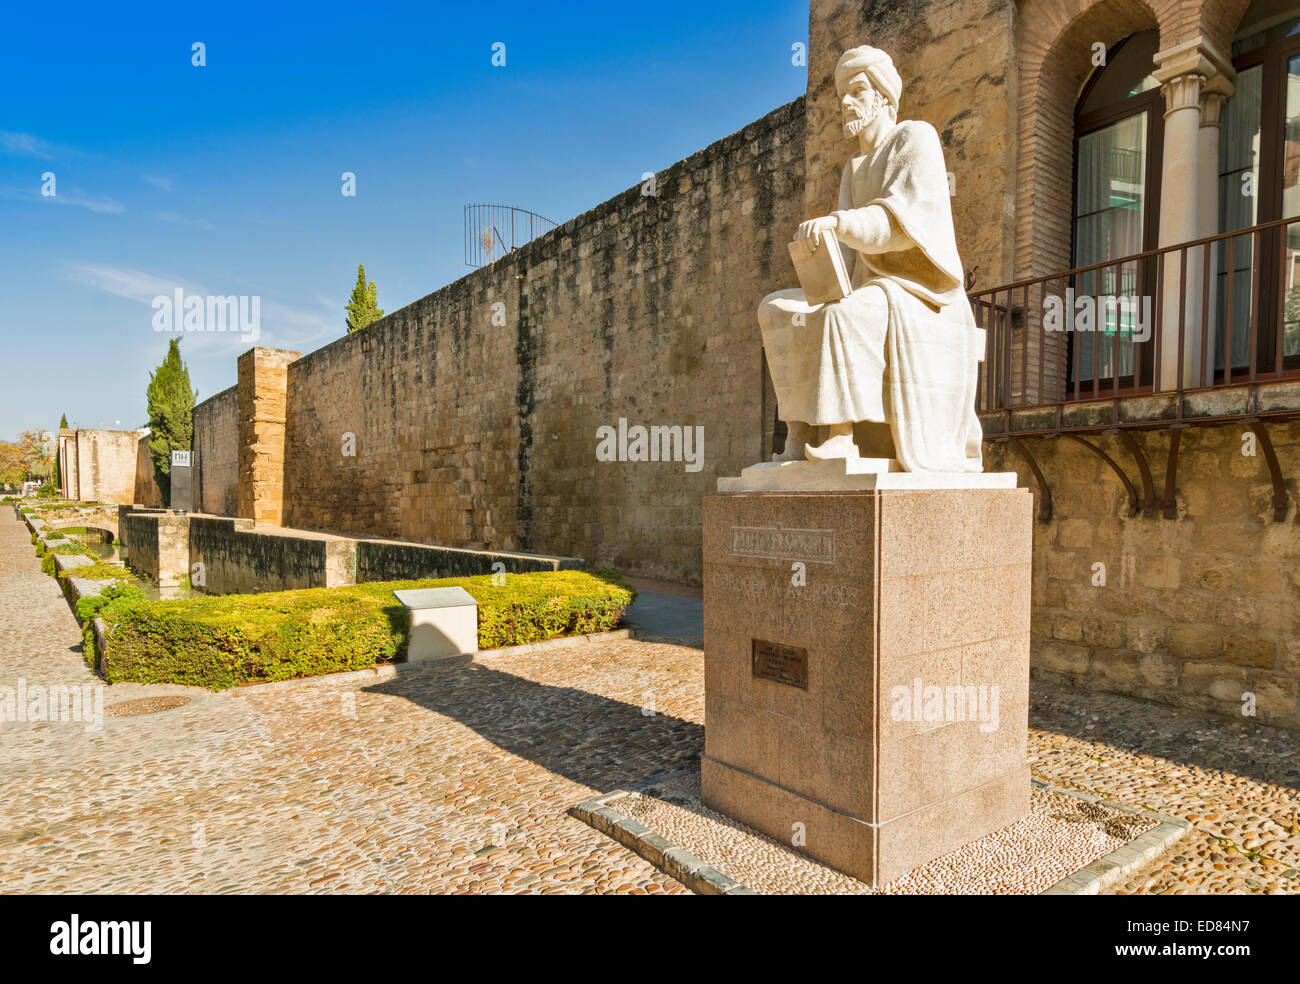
(226, 179)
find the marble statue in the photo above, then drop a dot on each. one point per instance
(902, 347)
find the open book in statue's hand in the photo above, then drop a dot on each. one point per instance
(822, 270)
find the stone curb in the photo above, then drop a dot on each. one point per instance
(674, 861)
(690, 642)
(1126, 859)
(65, 562)
(702, 879)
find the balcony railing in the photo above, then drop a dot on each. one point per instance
(1203, 315)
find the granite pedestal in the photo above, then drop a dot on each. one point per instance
(875, 715)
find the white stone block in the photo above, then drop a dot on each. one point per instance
(444, 623)
(855, 474)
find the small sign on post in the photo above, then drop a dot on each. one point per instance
(182, 482)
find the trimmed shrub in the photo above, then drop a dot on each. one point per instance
(65, 548)
(92, 605)
(229, 640)
(98, 571)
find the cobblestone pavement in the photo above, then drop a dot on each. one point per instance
(458, 779)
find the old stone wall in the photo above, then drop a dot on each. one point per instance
(147, 492)
(262, 394)
(157, 544)
(470, 418)
(382, 560)
(236, 559)
(225, 556)
(109, 466)
(216, 453)
(1197, 611)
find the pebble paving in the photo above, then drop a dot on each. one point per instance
(458, 779)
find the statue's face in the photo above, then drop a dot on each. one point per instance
(860, 104)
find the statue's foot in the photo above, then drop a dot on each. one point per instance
(797, 434)
(838, 446)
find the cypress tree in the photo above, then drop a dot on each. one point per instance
(363, 307)
(171, 414)
(58, 469)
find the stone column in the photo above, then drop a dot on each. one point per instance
(1213, 95)
(263, 413)
(1183, 72)
(68, 464)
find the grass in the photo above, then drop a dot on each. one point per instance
(98, 571)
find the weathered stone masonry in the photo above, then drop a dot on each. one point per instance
(472, 433)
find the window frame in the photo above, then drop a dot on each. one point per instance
(1272, 58)
(1152, 103)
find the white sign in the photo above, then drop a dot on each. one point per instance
(180, 459)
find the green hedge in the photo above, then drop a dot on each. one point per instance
(229, 640)
(91, 605)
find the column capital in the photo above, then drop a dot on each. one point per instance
(1196, 56)
(1212, 100)
(1182, 92)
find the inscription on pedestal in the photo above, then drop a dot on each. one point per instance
(781, 664)
(809, 546)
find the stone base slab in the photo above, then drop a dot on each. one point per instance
(850, 474)
(656, 836)
(873, 853)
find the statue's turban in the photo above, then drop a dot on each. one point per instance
(878, 66)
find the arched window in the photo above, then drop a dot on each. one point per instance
(1118, 128)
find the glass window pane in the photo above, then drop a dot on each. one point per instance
(1291, 206)
(1239, 136)
(1110, 210)
(1127, 74)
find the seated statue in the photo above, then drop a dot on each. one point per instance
(902, 348)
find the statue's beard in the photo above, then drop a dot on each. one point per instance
(855, 126)
(864, 118)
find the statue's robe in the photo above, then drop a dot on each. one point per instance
(903, 347)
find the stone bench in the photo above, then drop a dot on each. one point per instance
(444, 623)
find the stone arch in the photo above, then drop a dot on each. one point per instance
(91, 517)
(1054, 49)
(1054, 43)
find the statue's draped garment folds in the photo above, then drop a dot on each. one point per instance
(903, 347)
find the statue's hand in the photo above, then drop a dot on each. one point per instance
(814, 229)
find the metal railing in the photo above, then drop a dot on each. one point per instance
(492, 231)
(1213, 312)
